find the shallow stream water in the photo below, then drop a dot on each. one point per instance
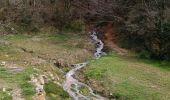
(73, 86)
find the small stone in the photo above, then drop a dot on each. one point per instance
(6, 55)
(59, 84)
(3, 63)
(40, 89)
(4, 89)
(41, 80)
(52, 76)
(12, 29)
(57, 77)
(9, 93)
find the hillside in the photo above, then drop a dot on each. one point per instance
(128, 78)
(84, 49)
(113, 76)
(24, 56)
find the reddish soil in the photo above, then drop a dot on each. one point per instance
(109, 37)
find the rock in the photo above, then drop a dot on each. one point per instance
(38, 82)
(3, 63)
(4, 89)
(46, 79)
(9, 93)
(17, 94)
(57, 83)
(12, 29)
(6, 55)
(39, 89)
(52, 76)
(56, 77)
(13, 68)
(42, 82)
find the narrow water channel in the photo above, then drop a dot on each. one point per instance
(73, 86)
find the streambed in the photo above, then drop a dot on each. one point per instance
(73, 86)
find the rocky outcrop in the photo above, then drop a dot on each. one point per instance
(39, 80)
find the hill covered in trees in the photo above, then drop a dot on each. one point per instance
(42, 40)
(140, 25)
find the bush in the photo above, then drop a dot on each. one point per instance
(144, 54)
(77, 25)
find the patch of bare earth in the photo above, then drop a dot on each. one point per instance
(17, 94)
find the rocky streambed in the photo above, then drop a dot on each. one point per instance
(73, 86)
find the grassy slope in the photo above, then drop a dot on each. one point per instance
(124, 77)
(130, 78)
(37, 48)
(13, 81)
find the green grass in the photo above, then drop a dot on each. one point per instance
(5, 75)
(157, 63)
(54, 91)
(3, 48)
(5, 96)
(28, 89)
(58, 37)
(125, 77)
(50, 46)
(129, 78)
(85, 91)
(21, 79)
(15, 37)
(46, 48)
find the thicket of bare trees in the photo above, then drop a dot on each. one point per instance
(37, 13)
(147, 28)
(143, 25)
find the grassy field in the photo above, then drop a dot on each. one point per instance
(121, 77)
(20, 80)
(38, 52)
(129, 78)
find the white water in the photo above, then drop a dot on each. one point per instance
(72, 86)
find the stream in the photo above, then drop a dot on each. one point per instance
(73, 86)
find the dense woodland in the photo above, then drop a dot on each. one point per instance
(141, 25)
